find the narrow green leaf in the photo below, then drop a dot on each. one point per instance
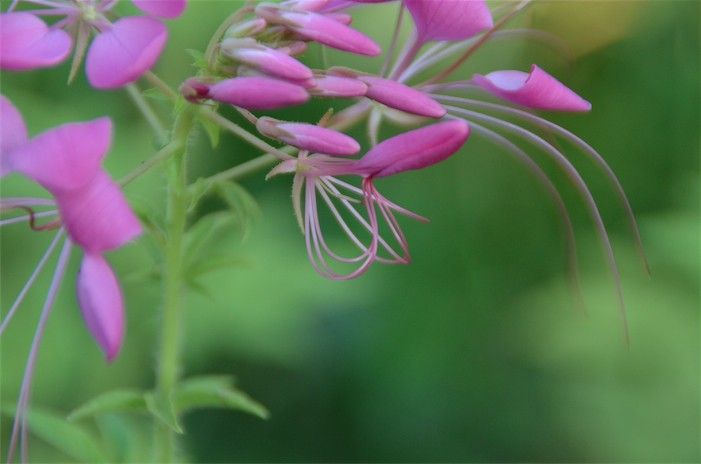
(213, 131)
(196, 191)
(163, 409)
(112, 401)
(67, 437)
(216, 392)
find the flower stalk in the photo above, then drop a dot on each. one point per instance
(173, 270)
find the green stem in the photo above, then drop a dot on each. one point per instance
(169, 354)
(148, 113)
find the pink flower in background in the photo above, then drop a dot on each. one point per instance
(121, 52)
(90, 209)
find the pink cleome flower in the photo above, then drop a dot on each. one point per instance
(90, 209)
(120, 53)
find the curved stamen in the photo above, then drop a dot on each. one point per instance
(397, 259)
(21, 411)
(30, 282)
(586, 149)
(571, 244)
(579, 184)
(29, 217)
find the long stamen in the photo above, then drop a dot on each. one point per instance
(436, 55)
(586, 149)
(30, 282)
(351, 208)
(28, 217)
(346, 229)
(21, 411)
(393, 43)
(579, 184)
(543, 178)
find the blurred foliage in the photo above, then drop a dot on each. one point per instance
(476, 351)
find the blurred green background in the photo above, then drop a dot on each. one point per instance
(475, 352)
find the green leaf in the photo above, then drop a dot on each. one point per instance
(214, 263)
(112, 401)
(203, 231)
(196, 191)
(241, 203)
(215, 392)
(163, 409)
(65, 436)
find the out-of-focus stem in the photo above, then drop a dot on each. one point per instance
(176, 222)
(148, 113)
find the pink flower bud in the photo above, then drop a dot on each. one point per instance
(304, 5)
(257, 93)
(335, 86)
(537, 90)
(309, 137)
(246, 29)
(266, 59)
(27, 43)
(322, 29)
(101, 303)
(402, 97)
(415, 149)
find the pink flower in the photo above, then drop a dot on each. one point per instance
(90, 209)
(120, 54)
(316, 178)
(449, 19)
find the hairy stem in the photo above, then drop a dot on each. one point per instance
(169, 353)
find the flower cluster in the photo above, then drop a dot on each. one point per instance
(253, 64)
(255, 69)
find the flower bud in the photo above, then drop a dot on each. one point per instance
(257, 93)
(309, 137)
(246, 29)
(402, 97)
(268, 60)
(335, 86)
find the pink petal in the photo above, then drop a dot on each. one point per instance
(67, 157)
(258, 93)
(101, 303)
(537, 90)
(266, 59)
(13, 133)
(27, 43)
(402, 97)
(98, 216)
(449, 19)
(415, 149)
(123, 54)
(168, 9)
(316, 139)
(328, 31)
